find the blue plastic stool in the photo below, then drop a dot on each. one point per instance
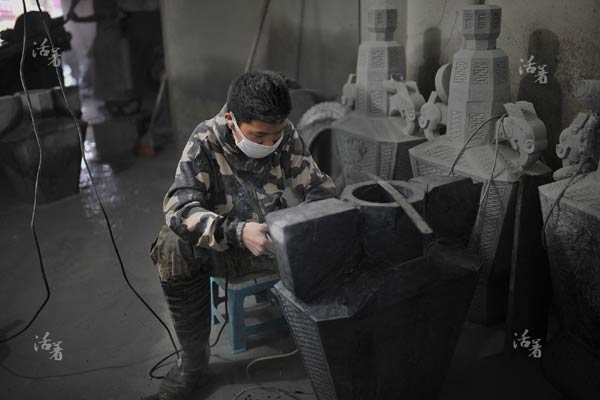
(237, 291)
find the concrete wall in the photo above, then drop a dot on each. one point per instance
(207, 43)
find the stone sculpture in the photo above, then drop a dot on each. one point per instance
(571, 211)
(385, 321)
(381, 123)
(490, 140)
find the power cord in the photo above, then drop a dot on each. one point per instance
(464, 147)
(267, 358)
(37, 178)
(226, 309)
(486, 192)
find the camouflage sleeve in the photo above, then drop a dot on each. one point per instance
(185, 204)
(308, 181)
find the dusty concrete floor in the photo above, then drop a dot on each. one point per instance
(110, 340)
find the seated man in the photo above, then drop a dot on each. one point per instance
(230, 175)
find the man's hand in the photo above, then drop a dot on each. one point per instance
(254, 237)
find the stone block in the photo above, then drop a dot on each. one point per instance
(42, 103)
(572, 362)
(315, 244)
(61, 166)
(11, 111)
(60, 106)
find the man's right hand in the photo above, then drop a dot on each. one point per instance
(254, 237)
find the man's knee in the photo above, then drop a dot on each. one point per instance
(173, 257)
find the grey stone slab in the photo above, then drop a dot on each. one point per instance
(573, 248)
(315, 244)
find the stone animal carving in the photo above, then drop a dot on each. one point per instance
(579, 147)
(578, 144)
(434, 113)
(349, 92)
(525, 132)
(405, 102)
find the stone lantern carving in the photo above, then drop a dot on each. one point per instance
(381, 123)
(492, 141)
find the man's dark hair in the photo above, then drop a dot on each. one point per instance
(261, 96)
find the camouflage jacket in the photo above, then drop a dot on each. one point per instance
(217, 188)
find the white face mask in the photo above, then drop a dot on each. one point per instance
(251, 149)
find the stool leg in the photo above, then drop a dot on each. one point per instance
(214, 299)
(236, 321)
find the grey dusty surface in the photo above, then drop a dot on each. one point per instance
(110, 340)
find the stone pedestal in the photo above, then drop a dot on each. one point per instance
(386, 332)
(387, 325)
(493, 233)
(373, 144)
(571, 360)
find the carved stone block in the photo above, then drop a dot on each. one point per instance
(478, 90)
(373, 145)
(315, 243)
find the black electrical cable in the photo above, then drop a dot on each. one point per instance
(464, 147)
(37, 177)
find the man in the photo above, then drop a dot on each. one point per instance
(231, 173)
